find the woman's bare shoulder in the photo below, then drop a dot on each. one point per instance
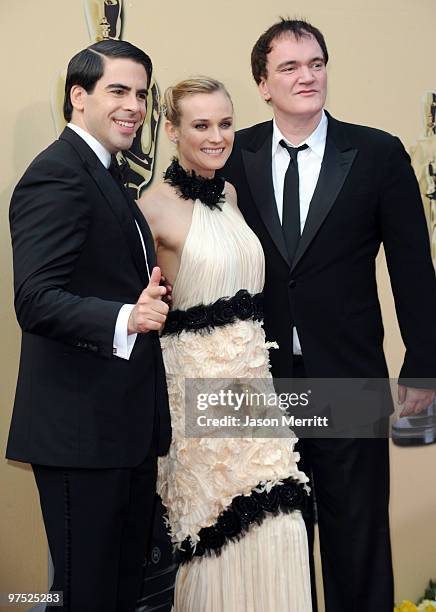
(155, 194)
(156, 200)
(230, 195)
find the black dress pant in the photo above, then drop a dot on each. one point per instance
(98, 524)
(350, 478)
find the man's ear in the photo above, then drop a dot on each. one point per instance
(263, 89)
(172, 131)
(77, 97)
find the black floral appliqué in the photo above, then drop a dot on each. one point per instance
(224, 311)
(243, 512)
(190, 186)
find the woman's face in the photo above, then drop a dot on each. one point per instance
(205, 135)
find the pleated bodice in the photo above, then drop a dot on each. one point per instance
(221, 256)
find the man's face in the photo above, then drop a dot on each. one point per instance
(296, 82)
(116, 108)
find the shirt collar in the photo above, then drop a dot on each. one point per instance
(103, 154)
(315, 141)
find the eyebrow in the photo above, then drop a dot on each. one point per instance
(223, 119)
(294, 62)
(124, 87)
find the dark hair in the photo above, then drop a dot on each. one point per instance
(87, 66)
(284, 27)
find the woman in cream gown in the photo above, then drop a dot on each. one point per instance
(233, 504)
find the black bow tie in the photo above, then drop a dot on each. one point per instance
(120, 172)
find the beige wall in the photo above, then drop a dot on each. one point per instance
(381, 63)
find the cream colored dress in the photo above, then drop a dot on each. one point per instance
(267, 569)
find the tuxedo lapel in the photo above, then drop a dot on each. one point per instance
(145, 231)
(336, 164)
(116, 200)
(258, 167)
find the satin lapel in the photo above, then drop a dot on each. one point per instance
(335, 167)
(120, 206)
(114, 197)
(146, 233)
(258, 167)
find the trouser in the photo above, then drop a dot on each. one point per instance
(351, 486)
(98, 524)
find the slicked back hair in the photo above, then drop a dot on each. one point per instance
(87, 66)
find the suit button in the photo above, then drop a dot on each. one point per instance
(292, 283)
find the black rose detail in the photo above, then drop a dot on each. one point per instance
(247, 508)
(229, 524)
(211, 538)
(197, 317)
(243, 304)
(291, 495)
(268, 501)
(222, 312)
(172, 324)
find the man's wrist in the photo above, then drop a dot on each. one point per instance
(124, 339)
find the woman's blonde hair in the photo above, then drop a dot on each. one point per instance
(188, 87)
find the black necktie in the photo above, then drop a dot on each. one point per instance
(119, 171)
(291, 201)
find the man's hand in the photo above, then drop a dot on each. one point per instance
(414, 400)
(169, 294)
(149, 312)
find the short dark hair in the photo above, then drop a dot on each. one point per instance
(87, 66)
(263, 46)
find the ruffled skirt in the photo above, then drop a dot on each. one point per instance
(267, 568)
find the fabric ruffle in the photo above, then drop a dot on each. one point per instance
(244, 512)
(200, 477)
(190, 186)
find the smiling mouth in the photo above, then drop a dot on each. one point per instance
(213, 151)
(126, 124)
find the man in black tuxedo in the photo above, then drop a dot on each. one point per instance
(322, 195)
(91, 408)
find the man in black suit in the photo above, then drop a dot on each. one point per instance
(91, 407)
(322, 195)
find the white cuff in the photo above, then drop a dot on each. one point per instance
(123, 343)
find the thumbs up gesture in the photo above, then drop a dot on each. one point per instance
(149, 312)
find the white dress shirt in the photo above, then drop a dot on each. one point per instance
(309, 166)
(123, 343)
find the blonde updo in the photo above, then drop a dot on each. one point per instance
(188, 87)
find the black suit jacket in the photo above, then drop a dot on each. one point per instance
(77, 259)
(366, 195)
